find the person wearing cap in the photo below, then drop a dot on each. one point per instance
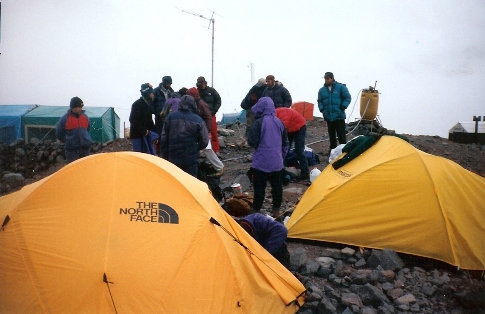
(277, 92)
(251, 98)
(269, 233)
(269, 139)
(184, 134)
(333, 99)
(295, 125)
(142, 128)
(161, 93)
(73, 130)
(213, 100)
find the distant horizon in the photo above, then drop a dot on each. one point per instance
(469, 126)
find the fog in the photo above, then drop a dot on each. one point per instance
(428, 57)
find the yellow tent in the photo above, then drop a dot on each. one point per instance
(398, 197)
(131, 233)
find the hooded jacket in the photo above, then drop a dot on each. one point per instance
(279, 94)
(268, 136)
(333, 102)
(184, 134)
(292, 119)
(202, 108)
(269, 233)
(73, 130)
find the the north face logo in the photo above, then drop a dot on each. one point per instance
(151, 212)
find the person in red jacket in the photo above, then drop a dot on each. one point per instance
(295, 125)
(73, 130)
(202, 108)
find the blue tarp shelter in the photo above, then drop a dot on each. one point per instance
(228, 118)
(11, 127)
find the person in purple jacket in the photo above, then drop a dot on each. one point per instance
(269, 233)
(268, 137)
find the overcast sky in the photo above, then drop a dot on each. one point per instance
(428, 57)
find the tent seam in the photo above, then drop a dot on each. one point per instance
(445, 217)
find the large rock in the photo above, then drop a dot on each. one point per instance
(370, 294)
(13, 179)
(388, 259)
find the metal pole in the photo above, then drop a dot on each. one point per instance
(476, 119)
(212, 64)
(211, 21)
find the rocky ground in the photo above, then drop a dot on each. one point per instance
(339, 279)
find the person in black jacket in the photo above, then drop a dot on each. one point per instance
(141, 122)
(251, 98)
(276, 91)
(184, 134)
(213, 100)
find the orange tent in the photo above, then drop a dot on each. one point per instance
(131, 233)
(305, 108)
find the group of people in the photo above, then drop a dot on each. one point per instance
(185, 128)
(272, 126)
(185, 123)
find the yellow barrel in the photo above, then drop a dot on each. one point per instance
(370, 99)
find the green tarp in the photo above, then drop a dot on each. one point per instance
(41, 123)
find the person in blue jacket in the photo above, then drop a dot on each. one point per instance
(269, 233)
(333, 99)
(270, 141)
(73, 130)
(184, 134)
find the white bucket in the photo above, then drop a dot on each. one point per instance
(314, 174)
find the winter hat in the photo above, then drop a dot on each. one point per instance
(194, 92)
(328, 75)
(166, 80)
(146, 90)
(76, 102)
(183, 91)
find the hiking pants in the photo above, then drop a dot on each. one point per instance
(259, 185)
(214, 136)
(336, 129)
(249, 120)
(299, 138)
(74, 154)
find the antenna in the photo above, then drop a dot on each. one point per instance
(251, 66)
(212, 21)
